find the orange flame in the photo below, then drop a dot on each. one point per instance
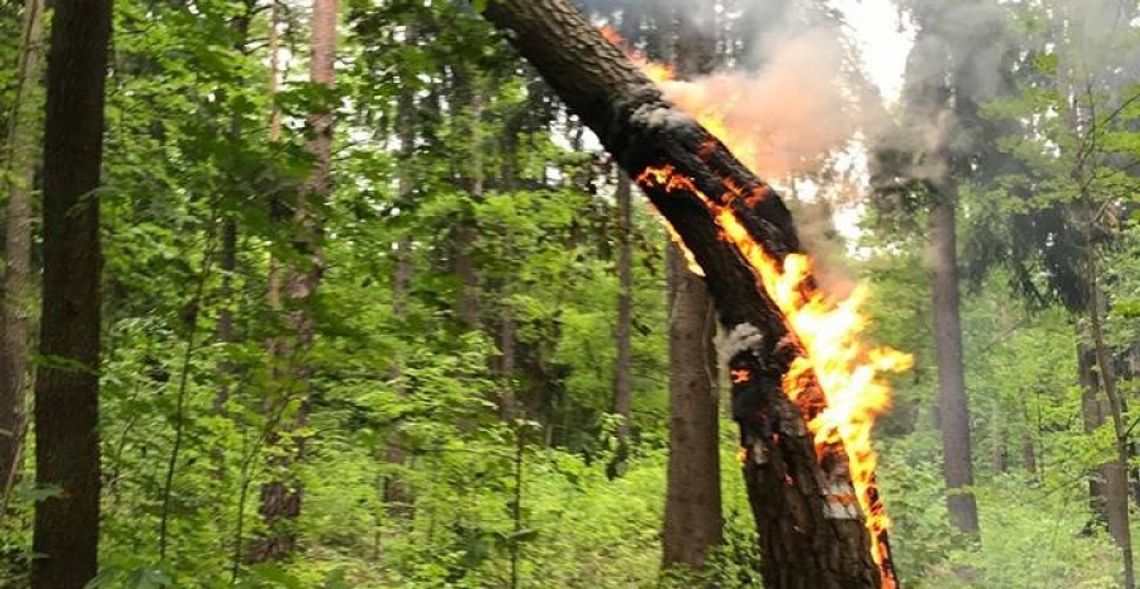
(849, 373)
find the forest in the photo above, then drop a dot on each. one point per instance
(812, 294)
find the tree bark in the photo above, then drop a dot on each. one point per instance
(468, 101)
(281, 499)
(953, 412)
(694, 524)
(18, 298)
(1093, 417)
(1114, 471)
(623, 363)
(806, 541)
(66, 529)
(396, 495)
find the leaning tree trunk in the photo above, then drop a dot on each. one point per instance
(809, 536)
(66, 530)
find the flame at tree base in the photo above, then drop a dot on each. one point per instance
(847, 373)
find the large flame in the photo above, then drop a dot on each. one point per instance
(849, 373)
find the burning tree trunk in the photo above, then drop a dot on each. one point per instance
(805, 496)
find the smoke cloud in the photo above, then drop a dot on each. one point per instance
(784, 119)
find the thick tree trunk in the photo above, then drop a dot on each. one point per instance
(281, 499)
(694, 524)
(66, 531)
(807, 540)
(953, 412)
(17, 301)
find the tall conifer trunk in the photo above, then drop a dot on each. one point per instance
(954, 416)
(281, 499)
(66, 532)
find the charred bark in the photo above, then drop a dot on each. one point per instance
(807, 538)
(66, 530)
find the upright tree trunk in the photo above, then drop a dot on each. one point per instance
(396, 496)
(281, 499)
(225, 327)
(623, 363)
(807, 538)
(66, 531)
(16, 305)
(468, 103)
(1029, 442)
(1094, 416)
(694, 524)
(1114, 471)
(954, 416)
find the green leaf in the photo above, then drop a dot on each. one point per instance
(148, 578)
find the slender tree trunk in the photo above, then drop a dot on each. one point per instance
(281, 499)
(623, 363)
(954, 415)
(796, 495)
(694, 524)
(468, 97)
(396, 496)
(229, 242)
(1114, 471)
(66, 531)
(17, 302)
(1093, 417)
(1028, 443)
(997, 437)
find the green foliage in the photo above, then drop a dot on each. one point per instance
(451, 155)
